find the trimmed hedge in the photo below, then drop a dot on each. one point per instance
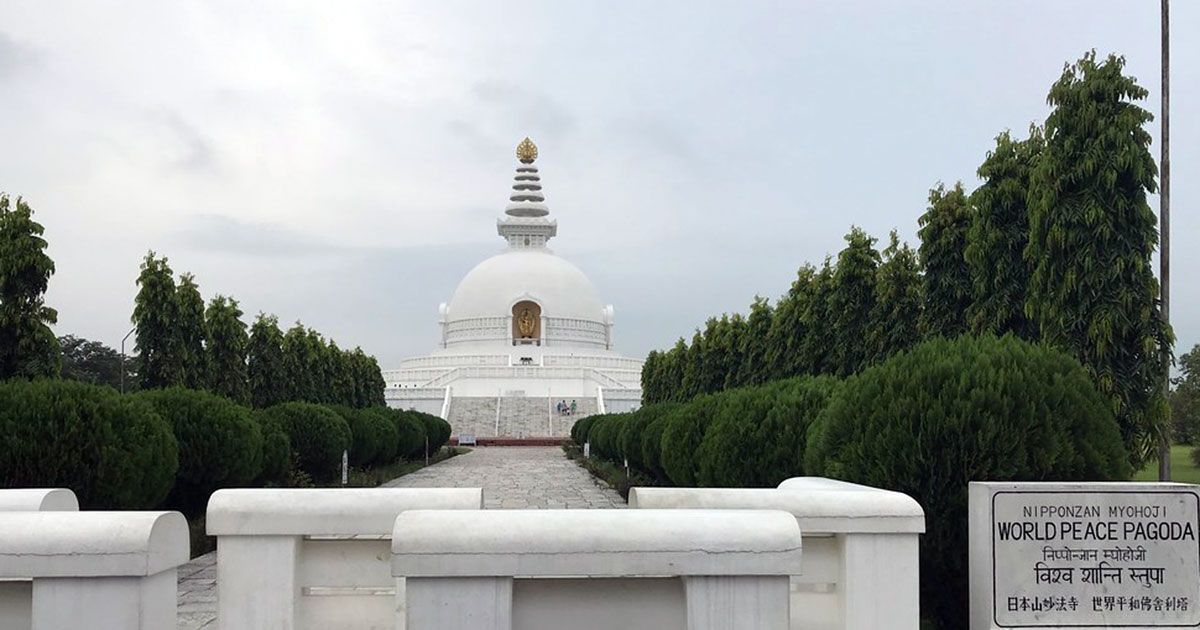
(632, 436)
(276, 450)
(579, 430)
(411, 431)
(317, 435)
(927, 421)
(385, 432)
(220, 445)
(683, 434)
(436, 429)
(114, 452)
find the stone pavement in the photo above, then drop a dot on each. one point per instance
(511, 477)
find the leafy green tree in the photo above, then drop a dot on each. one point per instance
(852, 302)
(265, 363)
(672, 371)
(1185, 399)
(226, 350)
(753, 369)
(787, 332)
(732, 339)
(300, 358)
(897, 301)
(28, 348)
(693, 383)
(156, 319)
(946, 285)
(1093, 292)
(92, 362)
(191, 332)
(341, 375)
(368, 380)
(321, 369)
(998, 236)
(816, 354)
(652, 390)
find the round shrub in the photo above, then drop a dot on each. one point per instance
(276, 450)
(683, 434)
(365, 439)
(436, 429)
(928, 421)
(579, 430)
(317, 435)
(759, 436)
(652, 443)
(385, 432)
(220, 444)
(114, 452)
(603, 436)
(411, 431)
(635, 431)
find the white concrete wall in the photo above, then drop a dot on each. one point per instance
(647, 569)
(96, 570)
(860, 547)
(16, 594)
(292, 559)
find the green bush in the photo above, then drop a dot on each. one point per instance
(683, 434)
(276, 451)
(385, 432)
(114, 452)
(220, 445)
(759, 436)
(579, 430)
(652, 443)
(927, 421)
(603, 435)
(411, 431)
(317, 435)
(436, 429)
(634, 433)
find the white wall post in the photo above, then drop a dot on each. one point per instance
(16, 595)
(96, 570)
(742, 602)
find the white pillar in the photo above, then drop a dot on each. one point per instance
(462, 603)
(871, 594)
(96, 570)
(256, 585)
(16, 596)
(737, 601)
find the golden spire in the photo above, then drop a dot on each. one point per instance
(527, 151)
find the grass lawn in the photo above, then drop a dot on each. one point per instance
(1182, 468)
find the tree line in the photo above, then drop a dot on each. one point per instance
(181, 342)
(1054, 247)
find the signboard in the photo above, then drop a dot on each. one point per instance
(1086, 555)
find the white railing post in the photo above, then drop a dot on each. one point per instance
(730, 566)
(861, 567)
(16, 595)
(294, 559)
(96, 570)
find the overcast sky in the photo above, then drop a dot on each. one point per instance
(344, 163)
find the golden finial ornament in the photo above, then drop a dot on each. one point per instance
(527, 151)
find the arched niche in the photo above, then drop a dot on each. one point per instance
(526, 322)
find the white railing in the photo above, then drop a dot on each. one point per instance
(16, 594)
(414, 393)
(861, 565)
(313, 558)
(95, 570)
(450, 361)
(524, 371)
(505, 569)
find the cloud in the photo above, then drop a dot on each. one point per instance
(15, 57)
(227, 235)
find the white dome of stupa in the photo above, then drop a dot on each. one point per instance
(537, 275)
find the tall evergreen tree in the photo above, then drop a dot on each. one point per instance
(300, 359)
(265, 363)
(852, 302)
(693, 370)
(341, 376)
(732, 339)
(754, 369)
(787, 332)
(1092, 233)
(28, 348)
(156, 319)
(897, 301)
(226, 350)
(816, 354)
(321, 367)
(946, 284)
(998, 236)
(191, 332)
(652, 390)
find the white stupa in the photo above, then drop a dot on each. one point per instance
(523, 335)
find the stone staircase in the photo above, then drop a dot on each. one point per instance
(520, 416)
(474, 415)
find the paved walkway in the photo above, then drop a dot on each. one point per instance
(511, 477)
